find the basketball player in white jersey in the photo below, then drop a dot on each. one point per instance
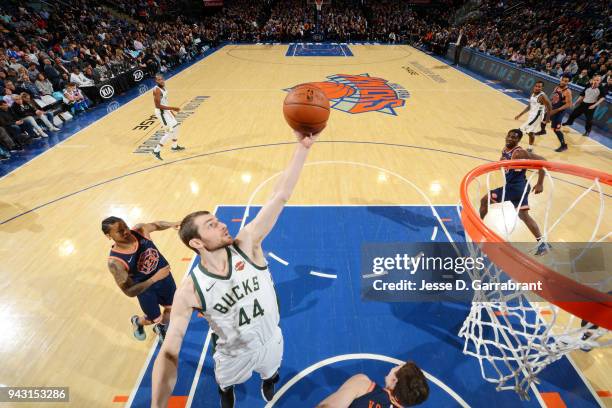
(539, 109)
(233, 289)
(165, 116)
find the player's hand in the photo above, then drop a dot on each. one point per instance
(162, 274)
(592, 107)
(306, 140)
(177, 109)
(538, 188)
(176, 225)
(517, 117)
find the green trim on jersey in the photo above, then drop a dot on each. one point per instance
(261, 268)
(199, 290)
(229, 264)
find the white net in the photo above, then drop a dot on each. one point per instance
(514, 337)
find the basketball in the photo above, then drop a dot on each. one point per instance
(306, 109)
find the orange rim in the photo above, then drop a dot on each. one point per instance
(593, 306)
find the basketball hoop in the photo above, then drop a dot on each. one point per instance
(513, 337)
(319, 4)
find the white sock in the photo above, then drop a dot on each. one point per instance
(174, 143)
(157, 148)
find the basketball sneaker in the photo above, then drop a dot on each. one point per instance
(543, 248)
(177, 148)
(561, 148)
(157, 155)
(227, 397)
(139, 331)
(160, 330)
(267, 387)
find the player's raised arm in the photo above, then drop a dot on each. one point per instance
(166, 364)
(149, 227)
(257, 229)
(353, 388)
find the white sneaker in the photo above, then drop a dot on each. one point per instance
(43, 134)
(55, 129)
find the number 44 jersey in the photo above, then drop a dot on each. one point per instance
(241, 308)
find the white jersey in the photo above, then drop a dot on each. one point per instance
(242, 308)
(535, 107)
(164, 96)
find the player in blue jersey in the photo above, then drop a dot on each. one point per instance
(561, 100)
(141, 271)
(405, 386)
(516, 189)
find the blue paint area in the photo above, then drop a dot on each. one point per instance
(596, 134)
(323, 318)
(318, 50)
(82, 121)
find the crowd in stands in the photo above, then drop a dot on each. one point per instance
(64, 54)
(554, 37)
(53, 60)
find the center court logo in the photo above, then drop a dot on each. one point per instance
(363, 93)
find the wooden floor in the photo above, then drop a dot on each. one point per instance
(64, 322)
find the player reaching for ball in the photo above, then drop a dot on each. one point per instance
(232, 287)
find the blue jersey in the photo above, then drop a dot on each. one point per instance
(558, 98)
(376, 397)
(513, 176)
(143, 261)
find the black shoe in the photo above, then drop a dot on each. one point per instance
(227, 397)
(540, 133)
(177, 148)
(586, 133)
(543, 248)
(157, 155)
(561, 148)
(160, 330)
(267, 387)
(565, 124)
(4, 157)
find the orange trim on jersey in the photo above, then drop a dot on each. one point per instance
(392, 399)
(122, 261)
(371, 388)
(128, 253)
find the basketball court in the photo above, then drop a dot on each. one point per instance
(391, 158)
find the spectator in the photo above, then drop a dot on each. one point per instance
(43, 85)
(15, 127)
(33, 71)
(53, 74)
(28, 86)
(44, 117)
(26, 113)
(75, 99)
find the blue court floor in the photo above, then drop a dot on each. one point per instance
(331, 334)
(318, 50)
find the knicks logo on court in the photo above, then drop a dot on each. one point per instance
(148, 260)
(362, 93)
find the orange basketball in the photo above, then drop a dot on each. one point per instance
(306, 109)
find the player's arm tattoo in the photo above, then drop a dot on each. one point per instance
(124, 281)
